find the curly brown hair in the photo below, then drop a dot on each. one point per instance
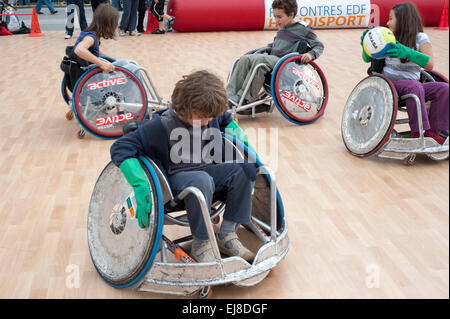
(289, 6)
(201, 93)
(105, 21)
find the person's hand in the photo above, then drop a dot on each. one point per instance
(400, 51)
(363, 35)
(107, 66)
(134, 174)
(306, 58)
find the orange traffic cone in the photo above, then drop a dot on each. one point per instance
(152, 23)
(35, 28)
(443, 23)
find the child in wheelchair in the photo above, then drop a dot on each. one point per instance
(184, 141)
(87, 50)
(402, 66)
(291, 37)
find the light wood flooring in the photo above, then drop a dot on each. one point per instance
(349, 219)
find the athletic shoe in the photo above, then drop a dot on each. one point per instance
(171, 21)
(122, 33)
(134, 33)
(67, 36)
(232, 246)
(54, 12)
(439, 139)
(203, 253)
(158, 31)
(39, 12)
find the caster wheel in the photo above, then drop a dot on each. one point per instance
(236, 120)
(69, 115)
(409, 161)
(81, 133)
(205, 293)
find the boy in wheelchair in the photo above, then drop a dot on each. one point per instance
(292, 36)
(195, 121)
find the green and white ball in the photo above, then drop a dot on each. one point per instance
(378, 41)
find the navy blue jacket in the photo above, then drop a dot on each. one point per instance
(150, 139)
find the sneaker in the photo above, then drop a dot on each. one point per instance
(158, 31)
(140, 30)
(439, 139)
(171, 22)
(134, 33)
(415, 135)
(39, 12)
(232, 246)
(54, 12)
(67, 36)
(203, 253)
(122, 33)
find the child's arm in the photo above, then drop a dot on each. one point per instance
(82, 50)
(316, 47)
(427, 50)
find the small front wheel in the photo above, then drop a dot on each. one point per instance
(69, 115)
(409, 161)
(81, 133)
(205, 292)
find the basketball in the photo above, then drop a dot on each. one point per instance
(378, 41)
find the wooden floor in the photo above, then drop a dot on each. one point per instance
(353, 223)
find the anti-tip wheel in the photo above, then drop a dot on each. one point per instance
(81, 133)
(69, 115)
(205, 293)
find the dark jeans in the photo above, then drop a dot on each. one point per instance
(129, 15)
(229, 177)
(71, 15)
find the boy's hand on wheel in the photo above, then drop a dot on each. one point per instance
(306, 58)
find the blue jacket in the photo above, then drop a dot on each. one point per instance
(150, 139)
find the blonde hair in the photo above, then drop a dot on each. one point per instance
(201, 93)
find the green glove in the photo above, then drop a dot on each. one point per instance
(233, 129)
(365, 57)
(133, 172)
(402, 52)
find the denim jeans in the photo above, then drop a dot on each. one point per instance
(40, 3)
(229, 177)
(129, 15)
(71, 15)
(27, 2)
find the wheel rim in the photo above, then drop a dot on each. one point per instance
(369, 116)
(105, 102)
(300, 90)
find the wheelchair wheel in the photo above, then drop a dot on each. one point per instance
(121, 251)
(438, 77)
(300, 91)
(261, 190)
(369, 116)
(104, 102)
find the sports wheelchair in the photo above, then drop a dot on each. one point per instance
(370, 115)
(104, 102)
(126, 255)
(298, 90)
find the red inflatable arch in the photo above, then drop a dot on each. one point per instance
(238, 15)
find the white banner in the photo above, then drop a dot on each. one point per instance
(327, 14)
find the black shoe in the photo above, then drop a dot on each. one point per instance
(158, 31)
(140, 30)
(39, 12)
(54, 12)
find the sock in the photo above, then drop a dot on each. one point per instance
(226, 228)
